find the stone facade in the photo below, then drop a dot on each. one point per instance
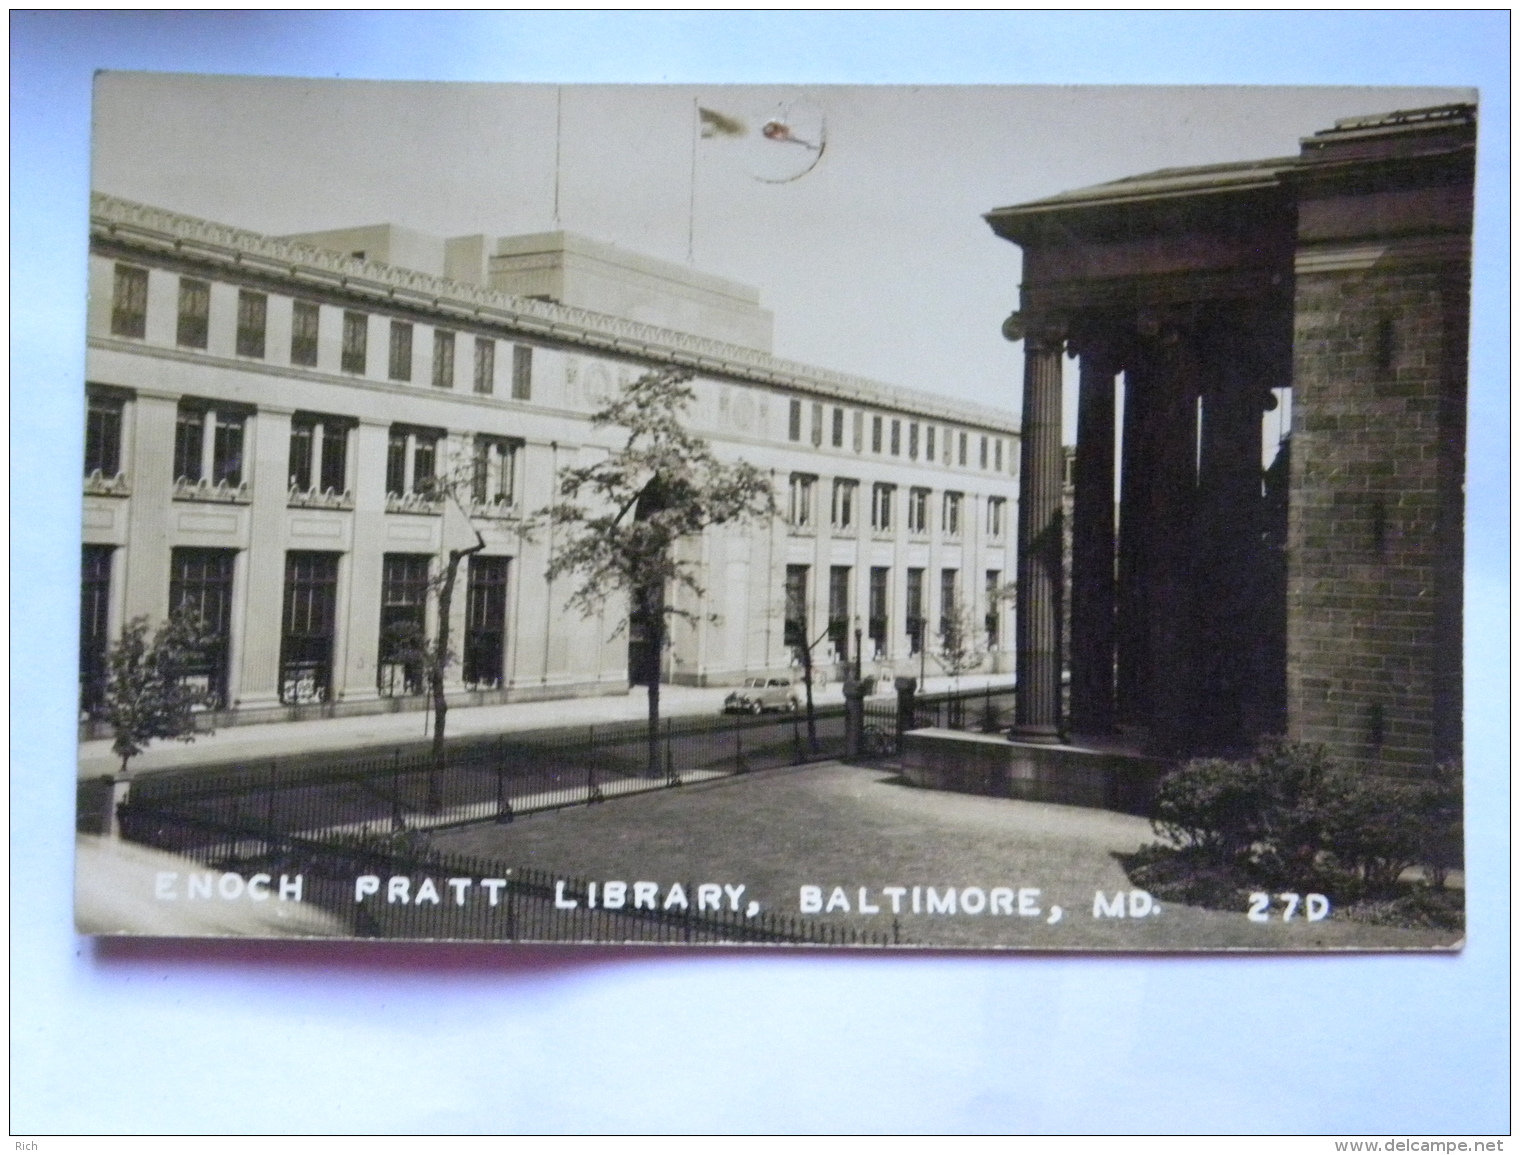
(260, 411)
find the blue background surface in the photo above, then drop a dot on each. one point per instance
(204, 1036)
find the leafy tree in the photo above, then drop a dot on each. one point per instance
(146, 695)
(627, 513)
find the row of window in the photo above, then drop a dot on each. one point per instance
(201, 581)
(844, 505)
(129, 318)
(209, 442)
(877, 625)
(948, 446)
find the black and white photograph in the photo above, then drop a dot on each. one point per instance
(888, 517)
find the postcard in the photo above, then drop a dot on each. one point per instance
(876, 517)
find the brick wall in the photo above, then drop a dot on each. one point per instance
(1375, 522)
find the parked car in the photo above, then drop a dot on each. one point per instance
(758, 695)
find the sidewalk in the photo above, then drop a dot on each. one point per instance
(273, 739)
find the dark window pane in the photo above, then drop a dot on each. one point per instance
(522, 373)
(227, 449)
(401, 351)
(355, 342)
(300, 456)
(200, 583)
(486, 622)
(94, 619)
(403, 618)
(189, 444)
(304, 318)
(485, 365)
(194, 313)
(102, 437)
(795, 628)
(443, 359)
(310, 615)
(253, 317)
(395, 465)
(334, 457)
(129, 302)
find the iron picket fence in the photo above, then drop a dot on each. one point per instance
(466, 898)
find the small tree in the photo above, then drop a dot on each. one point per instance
(146, 696)
(627, 512)
(408, 642)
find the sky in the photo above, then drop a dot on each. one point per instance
(876, 261)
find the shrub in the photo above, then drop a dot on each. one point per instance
(1288, 816)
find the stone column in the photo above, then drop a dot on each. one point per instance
(1092, 553)
(1037, 716)
(1171, 609)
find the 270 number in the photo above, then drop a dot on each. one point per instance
(1314, 906)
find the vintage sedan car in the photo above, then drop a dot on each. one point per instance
(758, 695)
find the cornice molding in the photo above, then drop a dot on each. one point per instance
(157, 230)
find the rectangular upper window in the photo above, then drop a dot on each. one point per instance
(304, 318)
(918, 510)
(794, 421)
(950, 517)
(836, 438)
(984, 453)
(522, 373)
(817, 424)
(881, 505)
(875, 434)
(194, 313)
(843, 508)
(896, 438)
(355, 342)
(411, 460)
(252, 321)
(963, 449)
(494, 481)
(443, 359)
(996, 517)
(913, 441)
(129, 302)
(208, 445)
(485, 366)
(800, 512)
(318, 453)
(102, 436)
(928, 443)
(400, 368)
(997, 455)
(858, 423)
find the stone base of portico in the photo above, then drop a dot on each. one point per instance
(1106, 777)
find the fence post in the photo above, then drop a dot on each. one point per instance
(854, 717)
(671, 777)
(503, 803)
(905, 706)
(398, 824)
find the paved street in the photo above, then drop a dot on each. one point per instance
(273, 739)
(831, 825)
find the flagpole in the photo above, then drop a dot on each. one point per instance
(559, 107)
(691, 203)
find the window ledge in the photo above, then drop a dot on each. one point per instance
(221, 493)
(413, 503)
(99, 485)
(319, 499)
(498, 510)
